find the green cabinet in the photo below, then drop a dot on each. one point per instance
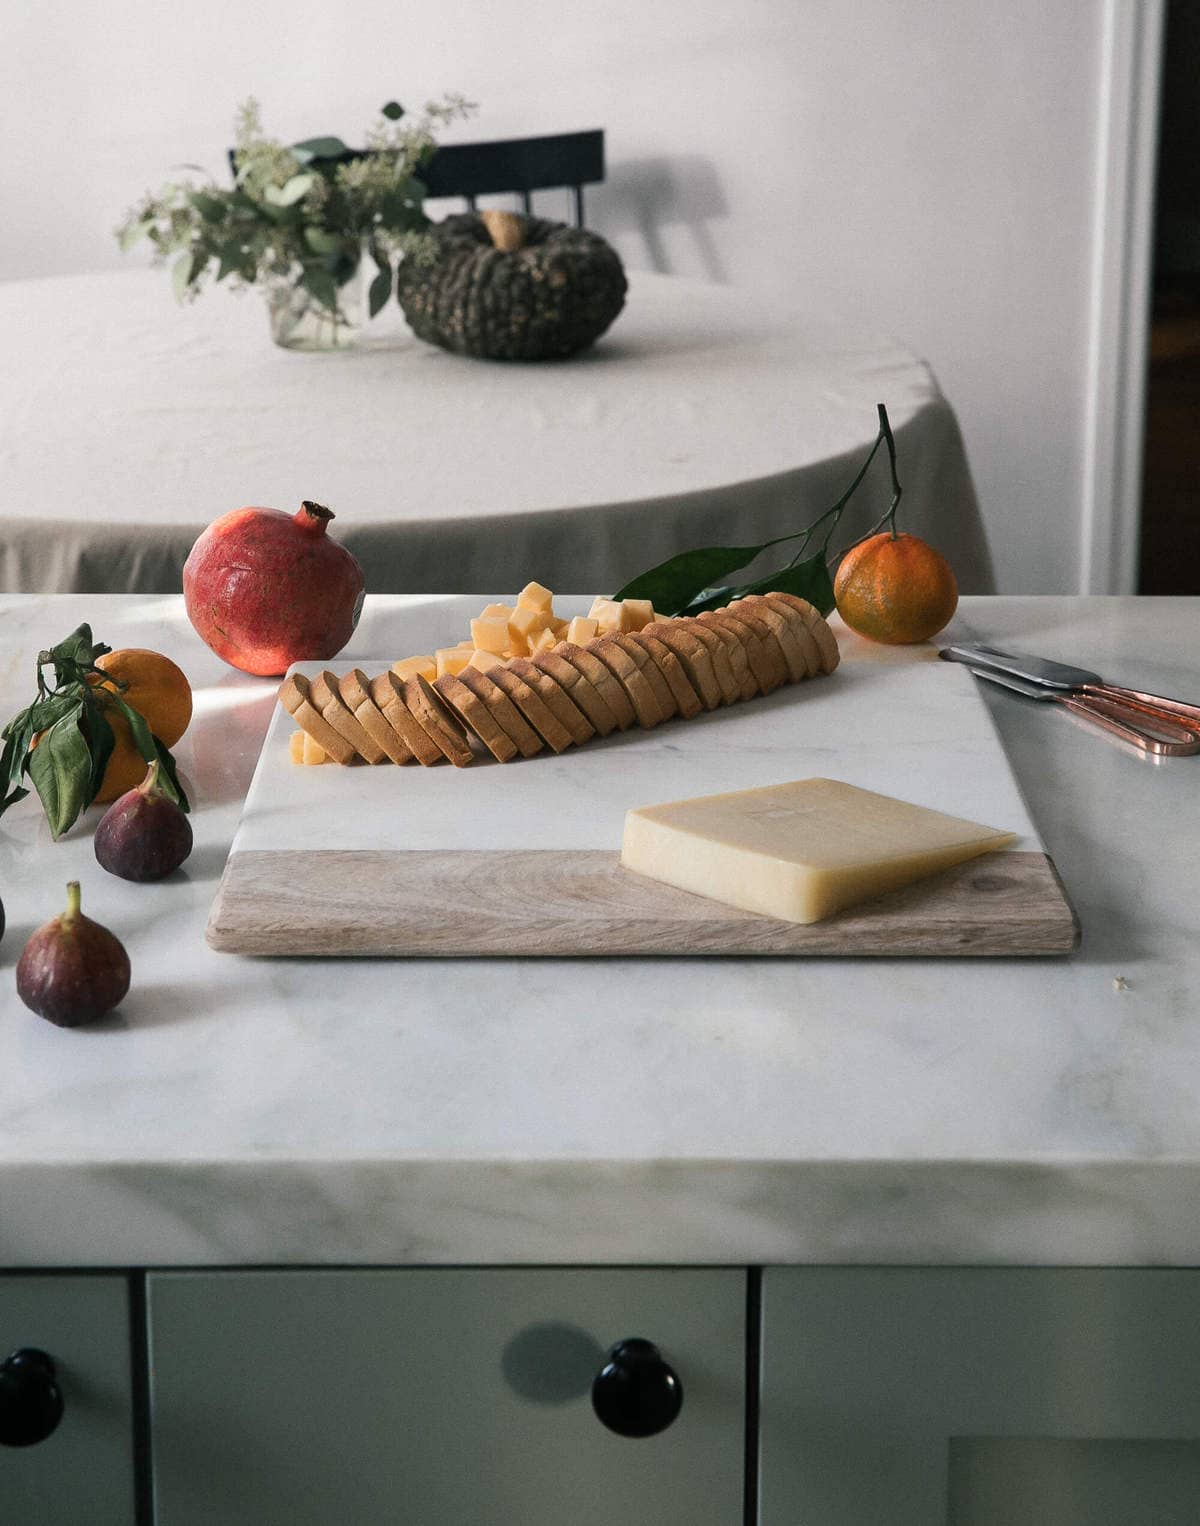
(442, 1397)
(82, 1474)
(979, 1397)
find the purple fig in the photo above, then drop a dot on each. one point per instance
(72, 970)
(143, 835)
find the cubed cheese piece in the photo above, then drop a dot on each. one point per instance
(466, 646)
(490, 634)
(609, 615)
(452, 659)
(637, 612)
(542, 642)
(496, 612)
(534, 596)
(581, 630)
(411, 667)
(484, 660)
(559, 627)
(526, 623)
(296, 747)
(798, 851)
(313, 751)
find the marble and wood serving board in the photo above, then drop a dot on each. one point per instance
(522, 858)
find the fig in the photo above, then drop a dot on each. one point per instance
(143, 835)
(72, 970)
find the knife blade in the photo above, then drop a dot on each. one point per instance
(1035, 670)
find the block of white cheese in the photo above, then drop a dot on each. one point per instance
(799, 851)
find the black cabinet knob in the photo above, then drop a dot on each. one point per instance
(31, 1402)
(635, 1393)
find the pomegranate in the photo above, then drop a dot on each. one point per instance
(265, 589)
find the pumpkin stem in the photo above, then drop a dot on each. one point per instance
(506, 229)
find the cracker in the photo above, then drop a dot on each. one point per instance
(387, 690)
(507, 716)
(694, 657)
(729, 660)
(295, 696)
(327, 697)
(610, 689)
(818, 626)
(629, 674)
(791, 633)
(581, 689)
(473, 713)
(556, 698)
(687, 702)
(651, 672)
(440, 724)
(532, 707)
(354, 688)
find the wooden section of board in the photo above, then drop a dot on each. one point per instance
(581, 902)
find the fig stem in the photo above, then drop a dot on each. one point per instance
(150, 783)
(72, 910)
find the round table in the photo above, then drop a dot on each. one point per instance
(704, 416)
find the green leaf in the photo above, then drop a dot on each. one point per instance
(393, 111)
(321, 242)
(674, 583)
(61, 771)
(320, 284)
(168, 779)
(181, 276)
(288, 195)
(379, 291)
(78, 647)
(138, 730)
(100, 739)
(133, 234)
(807, 580)
(321, 148)
(18, 734)
(210, 208)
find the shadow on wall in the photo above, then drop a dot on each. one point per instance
(649, 197)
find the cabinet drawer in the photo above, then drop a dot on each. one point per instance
(433, 1397)
(82, 1473)
(980, 1397)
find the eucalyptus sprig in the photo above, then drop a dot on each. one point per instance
(301, 213)
(687, 583)
(63, 741)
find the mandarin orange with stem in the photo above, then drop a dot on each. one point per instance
(159, 691)
(895, 588)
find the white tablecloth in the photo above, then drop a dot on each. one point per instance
(127, 424)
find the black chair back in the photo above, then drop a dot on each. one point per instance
(521, 165)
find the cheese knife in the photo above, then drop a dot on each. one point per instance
(1165, 727)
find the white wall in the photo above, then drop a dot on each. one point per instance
(928, 166)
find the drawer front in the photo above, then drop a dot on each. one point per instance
(978, 1397)
(439, 1397)
(82, 1473)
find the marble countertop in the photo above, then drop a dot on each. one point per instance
(661, 1111)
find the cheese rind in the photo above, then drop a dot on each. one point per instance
(799, 851)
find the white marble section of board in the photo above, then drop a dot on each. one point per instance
(917, 730)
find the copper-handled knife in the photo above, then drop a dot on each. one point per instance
(1167, 727)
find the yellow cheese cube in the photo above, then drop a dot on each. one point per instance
(534, 596)
(526, 623)
(484, 660)
(559, 627)
(607, 615)
(411, 667)
(296, 747)
(490, 634)
(638, 612)
(799, 851)
(451, 659)
(496, 612)
(542, 642)
(465, 646)
(582, 629)
(313, 751)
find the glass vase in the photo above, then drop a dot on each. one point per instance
(300, 322)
